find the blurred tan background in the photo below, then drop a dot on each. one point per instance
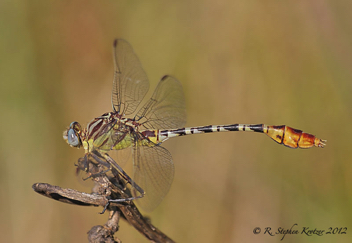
(276, 62)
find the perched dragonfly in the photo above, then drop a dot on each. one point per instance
(160, 118)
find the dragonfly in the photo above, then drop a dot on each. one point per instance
(142, 131)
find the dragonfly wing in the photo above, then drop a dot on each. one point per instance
(166, 108)
(153, 171)
(130, 81)
(121, 156)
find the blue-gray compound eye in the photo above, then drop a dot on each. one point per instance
(72, 138)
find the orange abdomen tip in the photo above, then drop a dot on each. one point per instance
(294, 138)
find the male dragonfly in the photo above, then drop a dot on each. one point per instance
(160, 118)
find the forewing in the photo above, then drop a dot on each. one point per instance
(153, 171)
(166, 109)
(130, 81)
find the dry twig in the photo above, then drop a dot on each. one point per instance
(114, 188)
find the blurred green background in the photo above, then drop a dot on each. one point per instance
(273, 62)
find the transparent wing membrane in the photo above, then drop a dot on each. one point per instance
(121, 156)
(153, 171)
(153, 167)
(166, 108)
(130, 81)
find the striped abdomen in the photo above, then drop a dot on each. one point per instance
(286, 135)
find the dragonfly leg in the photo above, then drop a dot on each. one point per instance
(107, 161)
(106, 206)
(119, 200)
(125, 176)
(100, 161)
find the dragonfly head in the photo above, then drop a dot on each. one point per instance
(73, 135)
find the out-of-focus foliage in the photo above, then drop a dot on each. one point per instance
(274, 62)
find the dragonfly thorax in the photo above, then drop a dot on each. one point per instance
(110, 131)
